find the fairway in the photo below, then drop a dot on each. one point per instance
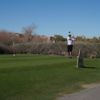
(43, 77)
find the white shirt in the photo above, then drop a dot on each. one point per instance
(70, 40)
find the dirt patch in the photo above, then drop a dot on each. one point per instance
(88, 86)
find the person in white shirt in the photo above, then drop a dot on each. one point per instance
(70, 42)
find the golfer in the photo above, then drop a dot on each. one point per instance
(70, 42)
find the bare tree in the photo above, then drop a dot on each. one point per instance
(28, 31)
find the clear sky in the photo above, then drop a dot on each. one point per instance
(81, 17)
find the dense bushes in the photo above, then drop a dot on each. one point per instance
(88, 50)
(4, 49)
(51, 48)
(41, 48)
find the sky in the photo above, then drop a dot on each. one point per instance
(80, 17)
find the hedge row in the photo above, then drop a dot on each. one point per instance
(51, 48)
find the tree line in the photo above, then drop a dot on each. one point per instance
(30, 42)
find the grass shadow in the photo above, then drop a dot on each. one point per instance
(88, 67)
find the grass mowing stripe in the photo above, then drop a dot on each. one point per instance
(32, 61)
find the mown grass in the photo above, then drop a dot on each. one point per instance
(43, 77)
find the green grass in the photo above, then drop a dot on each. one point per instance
(42, 77)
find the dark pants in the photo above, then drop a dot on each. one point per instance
(69, 48)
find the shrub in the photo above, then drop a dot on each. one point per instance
(52, 48)
(4, 49)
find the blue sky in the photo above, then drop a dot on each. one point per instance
(81, 17)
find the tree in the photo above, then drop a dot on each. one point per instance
(28, 31)
(59, 38)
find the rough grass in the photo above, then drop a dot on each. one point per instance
(42, 77)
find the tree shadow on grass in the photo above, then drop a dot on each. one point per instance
(89, 67)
